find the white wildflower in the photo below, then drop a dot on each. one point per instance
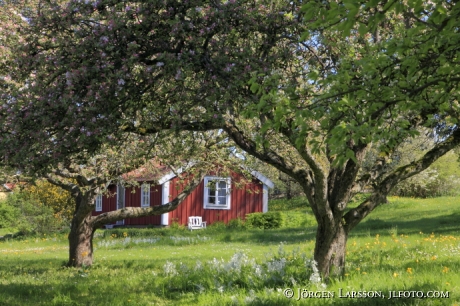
(170, 269)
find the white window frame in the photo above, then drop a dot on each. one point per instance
(207, 190)
(98, 202)
(145, 195)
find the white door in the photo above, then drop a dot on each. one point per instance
(120, 201)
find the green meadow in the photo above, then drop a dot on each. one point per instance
(407, 252)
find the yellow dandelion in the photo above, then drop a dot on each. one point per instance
(364, 273)
(433, 257)
(357, 269)
(409, 270)
(346, 274)
(395, 274)
(445, 270)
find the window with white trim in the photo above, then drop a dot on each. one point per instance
(217, 192)
(98, 202)
(145, 195)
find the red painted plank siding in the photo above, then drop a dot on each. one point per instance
(109, 201)
(133, 199)
(245, 200)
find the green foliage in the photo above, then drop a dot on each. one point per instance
(176, 225)
(8, 215)
(268, 220)
(294, 204)
(218, 225)
(442, 178)
(297, 219)
(237, 223)
(27, 215)
(58, 199)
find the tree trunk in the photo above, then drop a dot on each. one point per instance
(81, 242)
(330, 249)
(288, 189)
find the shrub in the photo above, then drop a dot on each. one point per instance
(29, 215)
(266, 220)
(297, 219)
(236, 223)
(218, 225)
(54, 197)
(8, 215)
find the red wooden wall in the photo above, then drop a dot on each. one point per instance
(133, 199)
(244, 200)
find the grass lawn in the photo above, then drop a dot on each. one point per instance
(406, 245)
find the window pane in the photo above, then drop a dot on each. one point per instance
(145, 195)
(217, 195)
(222, 185)
(222, 193)
(99, 202)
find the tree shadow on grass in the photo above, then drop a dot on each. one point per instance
(449, 224)
(271, 236)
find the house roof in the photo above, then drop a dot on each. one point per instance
(152, 172)
(161, 174)
(8, 187)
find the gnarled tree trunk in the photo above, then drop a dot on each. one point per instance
(81, 242)
(330, 249)
(82, 230)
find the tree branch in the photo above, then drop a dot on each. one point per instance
(72, 188)
(132, 212)
(354, 216)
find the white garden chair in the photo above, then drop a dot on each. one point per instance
(195, 222)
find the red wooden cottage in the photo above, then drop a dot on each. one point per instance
(217, 198)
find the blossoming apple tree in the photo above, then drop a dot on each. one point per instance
(308, 87)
